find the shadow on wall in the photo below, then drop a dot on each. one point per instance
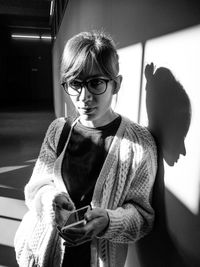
(169, 113)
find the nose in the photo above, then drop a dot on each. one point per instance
(85, 94)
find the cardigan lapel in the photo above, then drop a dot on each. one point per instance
(58, 180)
(111, 162)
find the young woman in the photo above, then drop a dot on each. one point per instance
(108, 162)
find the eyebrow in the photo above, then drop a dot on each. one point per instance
(91, 77)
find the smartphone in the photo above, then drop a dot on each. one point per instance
(76, 217)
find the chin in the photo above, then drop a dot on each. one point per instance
(87, 117)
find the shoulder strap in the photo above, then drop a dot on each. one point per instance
(63, 136)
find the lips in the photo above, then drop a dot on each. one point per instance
(86, 109)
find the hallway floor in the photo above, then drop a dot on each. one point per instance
(21, 136)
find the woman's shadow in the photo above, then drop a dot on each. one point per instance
(169, 114)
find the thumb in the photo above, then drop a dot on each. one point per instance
(92, 214)
(67, 206)
(89, 215)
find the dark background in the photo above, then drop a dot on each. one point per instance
(25, 65)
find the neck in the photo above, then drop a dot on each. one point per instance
(99, 122)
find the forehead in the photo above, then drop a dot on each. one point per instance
(91, 68)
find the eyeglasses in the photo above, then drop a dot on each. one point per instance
(95, 86)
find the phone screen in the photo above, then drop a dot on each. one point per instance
(77, 217)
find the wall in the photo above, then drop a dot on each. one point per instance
(171, 100)
(136, 27)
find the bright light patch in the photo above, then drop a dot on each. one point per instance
(46, 37)
(6, 186)
(180, 53)
(130, 60)
(31, 37)
(11, 168)
(8, 229)
(12, 208)
(51, 8)
(31, 160)
(23, 36)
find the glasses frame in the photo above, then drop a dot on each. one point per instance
(84, 83)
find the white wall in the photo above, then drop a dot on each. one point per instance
(180, 53)
(134, 23)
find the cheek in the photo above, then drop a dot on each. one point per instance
(74, 100)
(107, 99)
(108, 94)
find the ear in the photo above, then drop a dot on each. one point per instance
(117, 83)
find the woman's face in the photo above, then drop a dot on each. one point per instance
(95, 110)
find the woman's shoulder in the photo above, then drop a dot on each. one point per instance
(134, 126)
(56, 125)
(58, 122)
(54, 130)
(139, 133)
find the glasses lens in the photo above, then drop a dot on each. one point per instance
(75, 84)
(97, 86)
(74, 88)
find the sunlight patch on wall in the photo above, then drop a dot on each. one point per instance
(7, 237)
(12, 208)
(11, 168)
(31, 160)
(180, 53)
(130, 60)
(11, 213)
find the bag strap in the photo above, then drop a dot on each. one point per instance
(63, 136)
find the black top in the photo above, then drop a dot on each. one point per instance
(82, 163)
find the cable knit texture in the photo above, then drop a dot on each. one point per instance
(123, 188)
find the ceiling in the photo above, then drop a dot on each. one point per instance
(25, 15)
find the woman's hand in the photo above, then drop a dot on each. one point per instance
(61, 207)
(97, 222)
(149, 70)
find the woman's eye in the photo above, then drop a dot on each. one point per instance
(96, 82)
(75, 84)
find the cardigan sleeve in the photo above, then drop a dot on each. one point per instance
(41, 182)
(134, 219)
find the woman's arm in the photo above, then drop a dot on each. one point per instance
(135, 217)
(41, 182)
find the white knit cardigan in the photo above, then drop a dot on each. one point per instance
(123, 188)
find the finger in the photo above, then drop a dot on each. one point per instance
(67, 206)
(96, 226)
(62, 201)
(79, 234)
(81, 242)
(68, 240)
(72, 236)
(65, 238)
(95, 213)
(56, 206)
(58, 228)
(74, 230)
(78, 243)
(91, 214)
(67, 244)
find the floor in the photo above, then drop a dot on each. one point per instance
(21, 135)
